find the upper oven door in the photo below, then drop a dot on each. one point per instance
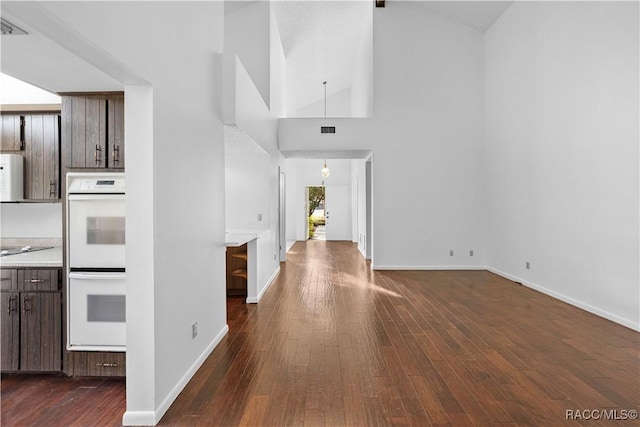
(96, 231)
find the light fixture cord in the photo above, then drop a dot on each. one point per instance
(325, 99)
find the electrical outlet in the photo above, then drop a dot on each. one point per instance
(528, 265)
(451, 252)
(471, 252)
(194, 330)
(259, 217)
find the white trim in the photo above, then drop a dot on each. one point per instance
(264, 289)
(428, 267)
(569, 300)
(362, 252)
(139, 418)
(150, 418)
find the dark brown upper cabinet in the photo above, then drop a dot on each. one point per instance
(36, 137)
(42, 157)
(12, 132)
(93, 130)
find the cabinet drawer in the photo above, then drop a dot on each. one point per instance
(98, 364)
(39, 280)
(8, 279)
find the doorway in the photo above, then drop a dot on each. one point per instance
(316, 212)
(328, 212)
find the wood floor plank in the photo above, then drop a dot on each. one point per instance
(334, 344)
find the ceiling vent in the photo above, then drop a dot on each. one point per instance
(8, 29)
(327, 129)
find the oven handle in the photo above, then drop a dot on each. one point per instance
(96, 276)
(96, 196)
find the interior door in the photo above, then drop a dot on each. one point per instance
(336, 202)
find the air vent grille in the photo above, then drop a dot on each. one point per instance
(327, 129)
(8, 29)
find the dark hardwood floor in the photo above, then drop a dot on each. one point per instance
(334, 344)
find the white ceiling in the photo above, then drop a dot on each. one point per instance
(319, 38)
(479, 14)
(41, 62)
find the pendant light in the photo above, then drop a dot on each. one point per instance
(325, 170)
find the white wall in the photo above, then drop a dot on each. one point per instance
(304, 134)
(306, 172)
(248, 34)
(184, 135)
(562, 152)
(427, 182)
(338, 105)
(362, 75)
(247, 188)
(31, 220)
(278, 68)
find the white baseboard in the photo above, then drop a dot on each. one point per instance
(569, 300)
(266, 286)
(139, 418)
(362, 252)
(428, 267)
(151, 418)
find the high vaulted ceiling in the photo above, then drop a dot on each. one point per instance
(319, 38)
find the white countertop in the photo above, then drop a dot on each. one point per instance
(237, 238)
(44, 258)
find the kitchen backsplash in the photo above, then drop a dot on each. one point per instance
(31, 220)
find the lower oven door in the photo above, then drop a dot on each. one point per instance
(96, 311)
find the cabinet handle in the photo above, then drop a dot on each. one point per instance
(22, 133)
(107, 365)
(5, 278)
(34, 281)
(11, 307)
(96, 155)
(25, 306)
(52, 188)
(115, 154)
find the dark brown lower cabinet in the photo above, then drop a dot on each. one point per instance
(97, 364)
(31, 321)
(10, 331)
(41, 331)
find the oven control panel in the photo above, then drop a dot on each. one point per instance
(95, 183)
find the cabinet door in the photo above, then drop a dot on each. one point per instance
(39, 280)
(84, 133)
(41, 331)
(42, 166)
(10, 331)
(115, 131)
(11, 132)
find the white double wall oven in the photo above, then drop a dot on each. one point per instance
(96, 285)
